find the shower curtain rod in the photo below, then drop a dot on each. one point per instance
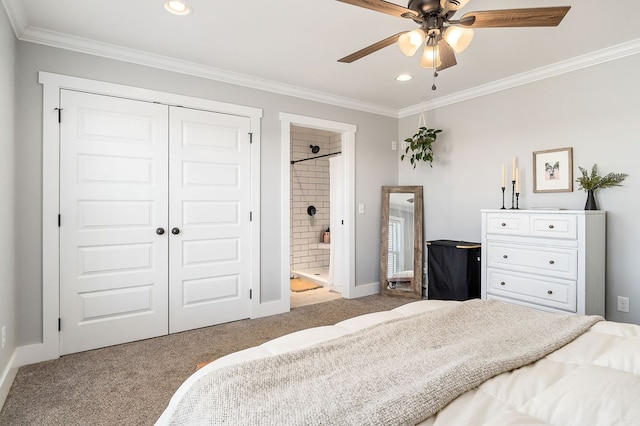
(313, 158)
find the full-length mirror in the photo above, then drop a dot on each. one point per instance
(401, 241)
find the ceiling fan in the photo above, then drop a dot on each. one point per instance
(445, 36)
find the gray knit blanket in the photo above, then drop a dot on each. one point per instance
(399, 372)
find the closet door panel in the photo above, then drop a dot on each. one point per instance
(113, 186)
(209, 208)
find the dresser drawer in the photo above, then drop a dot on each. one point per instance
(506, 224)
(546, 292)
(556, 226)
(541, 260)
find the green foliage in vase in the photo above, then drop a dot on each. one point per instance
(592, 181)
(419, 148)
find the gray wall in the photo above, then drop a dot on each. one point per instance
(375, 166)
(7, 194)
(595, 110)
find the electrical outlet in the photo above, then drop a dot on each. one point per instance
(4, 336)
(623, 304)
(394, 145)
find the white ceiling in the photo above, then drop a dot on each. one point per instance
(292, 46)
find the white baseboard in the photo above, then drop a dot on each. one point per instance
(7, 378)
(31, 354)
(23, 355)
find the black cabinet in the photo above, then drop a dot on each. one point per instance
(453, 270)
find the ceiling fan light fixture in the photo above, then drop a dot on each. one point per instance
(458, 38)
(430, 57)
(410, 42)
(177, 7)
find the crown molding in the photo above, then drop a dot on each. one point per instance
(111, 51)
(612, 53)
(18, 19)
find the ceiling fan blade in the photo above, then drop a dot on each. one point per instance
(370, 49)
(447, 55)
(383, 7)
(531, 17)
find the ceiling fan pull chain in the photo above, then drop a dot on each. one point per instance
(435, 70)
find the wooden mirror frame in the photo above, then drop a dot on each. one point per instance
(414, 288)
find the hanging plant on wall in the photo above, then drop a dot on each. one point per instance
(419, 146)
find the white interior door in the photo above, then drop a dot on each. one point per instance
(113, 197)
(209, 212)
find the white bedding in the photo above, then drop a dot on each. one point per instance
(593, 380)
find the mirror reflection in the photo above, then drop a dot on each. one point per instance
(401, 241)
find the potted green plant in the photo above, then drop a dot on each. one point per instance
(589, 182)
(419, 146)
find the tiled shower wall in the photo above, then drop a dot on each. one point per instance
(310, 186)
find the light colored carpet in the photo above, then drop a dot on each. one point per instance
(299, 285)
(131, 384)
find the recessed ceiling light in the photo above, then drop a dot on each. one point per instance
(177, 7)
(404, 77)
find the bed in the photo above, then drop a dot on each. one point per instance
(564, 370)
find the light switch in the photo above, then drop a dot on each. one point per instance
(361, 208)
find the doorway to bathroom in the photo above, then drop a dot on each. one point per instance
(314, 205)
(318, 213)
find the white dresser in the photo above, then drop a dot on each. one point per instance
(552, 260)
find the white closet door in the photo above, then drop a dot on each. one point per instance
(209, 175)
(113, 186)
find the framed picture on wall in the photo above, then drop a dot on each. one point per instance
(553, 170)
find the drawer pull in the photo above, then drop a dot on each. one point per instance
(550, 226)
(504, 224)
(504, 256)
(549, 292)
(551, 262)
(502, 283)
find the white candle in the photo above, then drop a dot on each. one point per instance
(517, 181)
(503, 176)
(513, 169)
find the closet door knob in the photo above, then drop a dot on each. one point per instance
(160, 231)
(175, 231)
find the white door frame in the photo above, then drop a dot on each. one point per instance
(348, 132)
(52, 84)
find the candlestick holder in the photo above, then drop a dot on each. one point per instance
(517, 197)
(503, 188)
(513, 192)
